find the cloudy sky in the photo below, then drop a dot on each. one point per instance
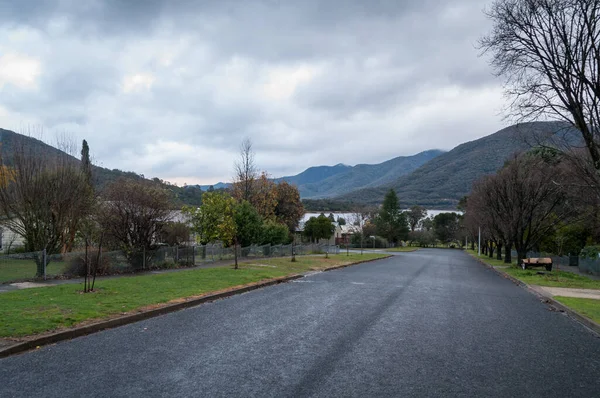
(170, 88)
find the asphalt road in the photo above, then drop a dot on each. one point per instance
(428, 323)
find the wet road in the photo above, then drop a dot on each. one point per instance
(427, 323)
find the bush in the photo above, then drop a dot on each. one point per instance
(423, 238)
(15, 250)
(274, 233)
(590, 252)
(76, 265)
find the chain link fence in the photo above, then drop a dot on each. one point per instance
(586, 265)
(28, 266)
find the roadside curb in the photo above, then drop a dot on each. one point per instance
(547, 298)
(127, 319)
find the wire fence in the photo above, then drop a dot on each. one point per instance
(585, 265)
(28, 266)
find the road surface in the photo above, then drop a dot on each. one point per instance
(427, 323)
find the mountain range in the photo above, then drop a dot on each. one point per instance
(433, 178)
(441, 182)
(329, 181)
(102, 176)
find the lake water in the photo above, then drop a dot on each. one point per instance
(350, 216)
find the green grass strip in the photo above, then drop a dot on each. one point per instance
(589, 308)
(33, 311)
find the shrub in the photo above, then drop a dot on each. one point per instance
(76, 265)
(590, 252)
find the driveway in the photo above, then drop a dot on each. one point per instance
(426, 323)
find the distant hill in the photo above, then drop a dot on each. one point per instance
(102, 176)
(218, 185)
(442, 181)
(314, 175)
(328, 181)
(365, 176)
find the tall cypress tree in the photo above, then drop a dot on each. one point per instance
(86, 164)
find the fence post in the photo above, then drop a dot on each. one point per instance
(194, 255)
(177, 253)
(45, 262)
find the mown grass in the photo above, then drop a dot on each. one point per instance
(12, 269)
(33, 311)
(402, 249)
(589, 308)
(555, 278)
(491, 261)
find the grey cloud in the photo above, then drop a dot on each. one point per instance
(378, 63)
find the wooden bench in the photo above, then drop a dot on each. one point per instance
(537, 262)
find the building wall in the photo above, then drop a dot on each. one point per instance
(9, 238)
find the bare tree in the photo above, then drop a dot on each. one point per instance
(246, 172)
(548, 52)
(133, 215)
(414, 215)
(42, 194)
(360, 218)
(521, 204)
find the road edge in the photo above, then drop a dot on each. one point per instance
(546, 298)
(99, 326)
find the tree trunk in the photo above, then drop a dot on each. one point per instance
(86, 280)
(473, 244)
(235, 254)
(98, 260)
(39, 261)
(499, 252)
(521, 254)
(508, 253)
(491, 249)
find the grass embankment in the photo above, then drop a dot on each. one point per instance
(587, 307)
(33, 311)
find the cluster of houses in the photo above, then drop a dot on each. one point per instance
(342, 234)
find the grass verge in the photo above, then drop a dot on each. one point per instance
(554, 278)
(589, 308)
(33, 311)
(12, 269)
(402, 249)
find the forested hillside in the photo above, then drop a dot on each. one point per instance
(102, 176)
(441, 182)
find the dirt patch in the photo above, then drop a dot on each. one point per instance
(29, 285)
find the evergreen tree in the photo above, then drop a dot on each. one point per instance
(86, 164)
(391, 222)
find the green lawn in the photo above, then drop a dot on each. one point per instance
(589, 308)
(553, 279)
(586, 307)
(12, 269)
(556, 278)
(402, 249)
(491, 261)
(33, 311)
